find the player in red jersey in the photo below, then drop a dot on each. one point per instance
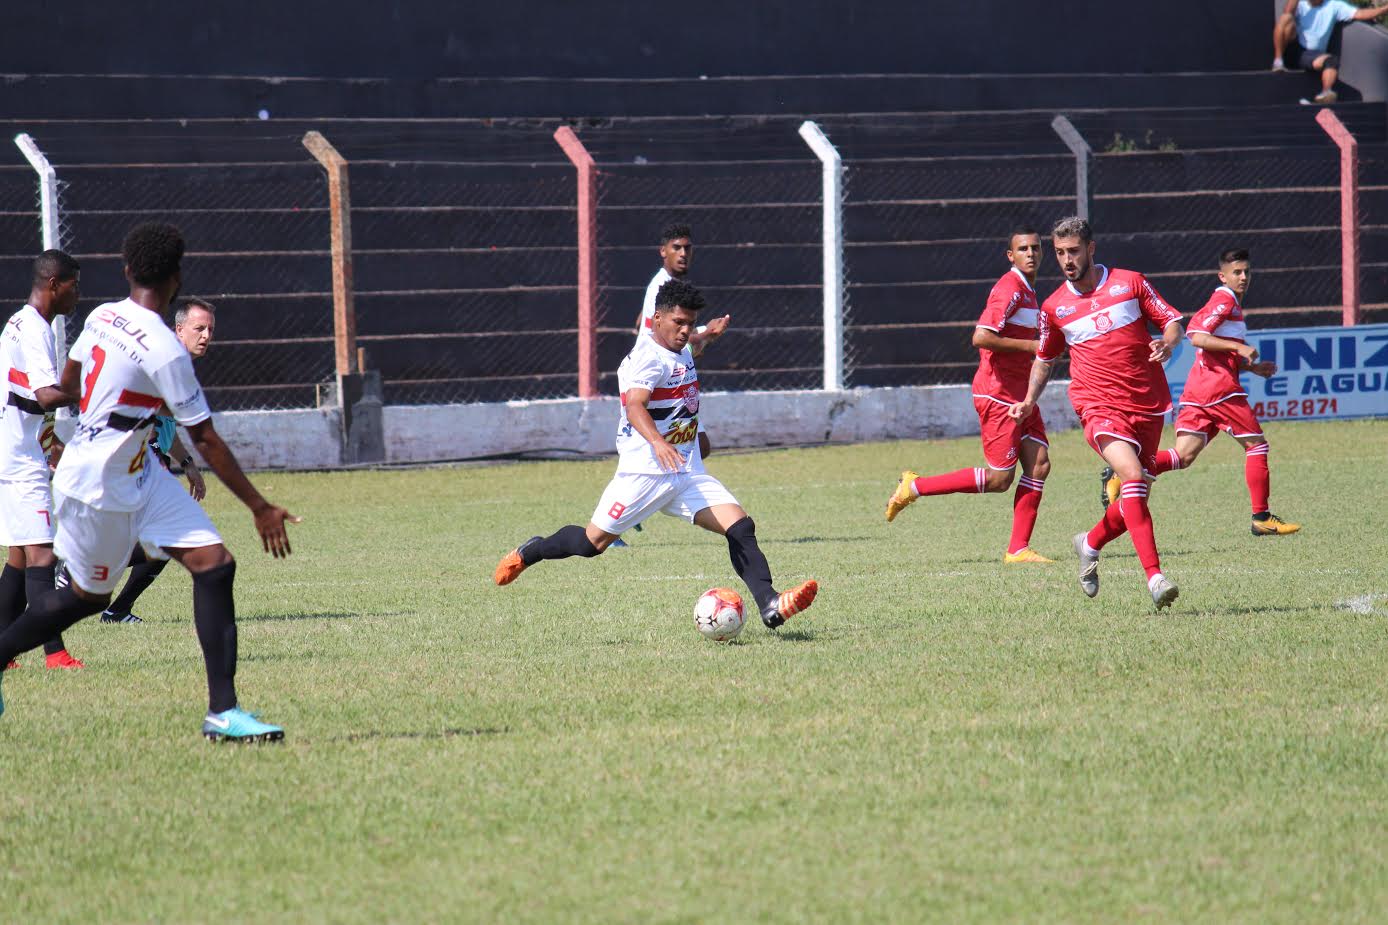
(1214, 400)
(1006, 341)
(1117, 387)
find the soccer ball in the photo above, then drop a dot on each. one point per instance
(718, 614)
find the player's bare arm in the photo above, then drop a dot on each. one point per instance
(641, 420)
(269, 518)
(985, 339)
(197, 485)
(711, 332)
(1370, 14)
(1170, 336)
(1040, 375)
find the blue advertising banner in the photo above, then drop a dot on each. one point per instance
(1326, 372)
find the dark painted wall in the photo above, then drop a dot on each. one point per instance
(632, 38)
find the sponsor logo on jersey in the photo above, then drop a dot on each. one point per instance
(1118, 289)
(121, 323)
(1065, 311)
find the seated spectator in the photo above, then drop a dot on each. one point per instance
(1304, 34)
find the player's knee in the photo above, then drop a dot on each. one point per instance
(999, 479)
(1040, 470)
(742, 529)
(1188, 456)
(1331, 63)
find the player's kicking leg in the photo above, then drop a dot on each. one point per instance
(734, 524)
(1129, 514)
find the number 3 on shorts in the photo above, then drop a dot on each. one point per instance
(617, 510)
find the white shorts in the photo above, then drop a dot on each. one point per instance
(26, 512)
(632, 497)
(95, 545)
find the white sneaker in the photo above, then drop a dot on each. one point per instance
(1163, 591)
(1089, 567)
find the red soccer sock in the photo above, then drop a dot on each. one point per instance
(1132, 501)
(966, 481)
(1025, 502)
(1255, 472)
(1166, 461)
(1109, 528)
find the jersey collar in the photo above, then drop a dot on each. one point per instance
(1232, 293)
(1025, 282)
(1103, 278)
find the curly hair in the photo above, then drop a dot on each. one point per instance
(678, 293)
(153, 252)
(675, 230)
(1073, 227)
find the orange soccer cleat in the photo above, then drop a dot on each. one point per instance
(511, 564)
(61, 659)
(789, 603)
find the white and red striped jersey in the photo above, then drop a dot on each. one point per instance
(1011, 312)
(28, 353)
(1214, 376)
(1110, 346)
(132, 365)
(674, 406)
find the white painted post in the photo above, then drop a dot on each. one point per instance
(1083, 155)
(48, 228)
(833, 253)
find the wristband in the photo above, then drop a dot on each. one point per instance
(186, 461)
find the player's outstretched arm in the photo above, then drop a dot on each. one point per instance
(641, 421)
(699, 340)
(269, 518)
(1040, 375)
(987, 339)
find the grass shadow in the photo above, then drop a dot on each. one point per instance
(419, 734)
(283, 617)
(799, 635)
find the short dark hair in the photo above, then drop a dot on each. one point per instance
(674, 230)
(189, 304)
(54, 264)
(678, 293)
(1021, 231)
(1072, 226)
(153, 252)
(1233, 255)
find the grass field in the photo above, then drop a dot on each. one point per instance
(941, 737)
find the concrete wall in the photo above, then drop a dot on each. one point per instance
(627, 38)
(1364, 65)
(434, 433)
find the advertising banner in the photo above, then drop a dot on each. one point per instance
(1324, 372)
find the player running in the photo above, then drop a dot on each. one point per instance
(194, 324)
(1117, 387)
(28, 352)
(659, 467)
(127, 365)
(1214, 400)
(1006, 340)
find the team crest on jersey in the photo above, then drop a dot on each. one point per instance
(1118, 289)
(691, 399)
(1102, 321)
(1065, 311)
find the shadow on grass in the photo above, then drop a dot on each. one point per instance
(1250, 610)
(453, 733)
(796, 636)
(283, 617)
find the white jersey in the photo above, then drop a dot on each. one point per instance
(29, 355)
(674, 406)
(648, 304)
(132, 365)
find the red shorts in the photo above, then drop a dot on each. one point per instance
(1232, 416)
(1143, 431)
(1002, 436)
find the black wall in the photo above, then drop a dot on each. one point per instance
(632, 38)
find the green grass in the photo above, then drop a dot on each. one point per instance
(940, 737)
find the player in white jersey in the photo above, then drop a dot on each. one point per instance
(28, 355)
(659, 467)
(125, 366)
(676, 253)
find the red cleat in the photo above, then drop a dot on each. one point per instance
(62, 659)
(12, 666)
(789, 603)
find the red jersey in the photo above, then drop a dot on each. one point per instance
(1106, 330)
(1214, 376)
(1011, 312)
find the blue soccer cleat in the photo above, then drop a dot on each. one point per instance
(237, 725)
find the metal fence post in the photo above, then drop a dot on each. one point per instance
(1083, 154)
(48, 213)
(1349, 211)
(587, 259)
(833, 252)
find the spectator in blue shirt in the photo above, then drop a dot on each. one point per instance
(1304, 34)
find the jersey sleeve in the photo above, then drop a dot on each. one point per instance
(1052, 339)
(1344, 12)
(81, 350)
(1209, 317)
(179, 388)
(40, 356)
(643, 371)
(1153, 305)
(1002, 302)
